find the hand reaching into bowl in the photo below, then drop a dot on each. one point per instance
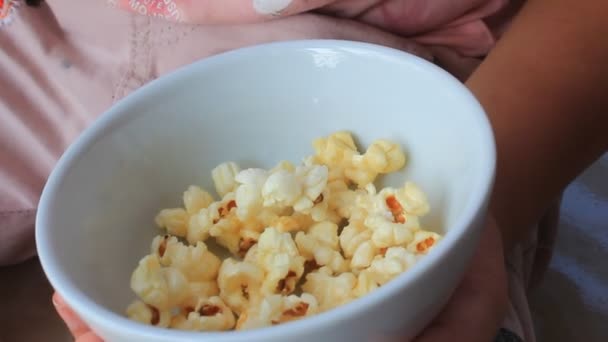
(473, 313)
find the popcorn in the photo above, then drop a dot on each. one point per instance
(200, 224)
(161, 287)
(383, 156)
(224, 178)
(196, 199)
(322, 244)
(423, 242)
(341, 198)
(252, 254)
(395, 261)
(336, 149)
(197, 263)
(276, 309)
(360, 173)
(175, 221)
(313, 180)
(386, 233)
(281, 189)
(226, 227)
(203, 289)
(248, 194)
(208, 315)
(413, 200)
(279, 257)
(227, 233)
(352, 237)
(365, 284)
(284, 165)
(330, 291)
(284, 223)
(249, 238)
(147, 314)
(363, 255)
(239, 283)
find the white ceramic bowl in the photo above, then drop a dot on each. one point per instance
(257, 106)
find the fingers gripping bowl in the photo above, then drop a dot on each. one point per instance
(257, 106)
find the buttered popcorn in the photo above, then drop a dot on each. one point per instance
(322, 245)
(278, 255)
(240, 283)
(276, 309)
(301, 239)
(209, 314)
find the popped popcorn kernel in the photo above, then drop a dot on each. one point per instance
(210, 314)
(386, 233)
(249, 239)
(279, 257)
(313, 180)
(366, 283)
(413, 200)
(423, 242)
(286, 224)
(322, 244)
(276, 309)
(160, 287)
(224, 176)
(159, 247)
(252, 254)
(248, 194)
(383, 156)
(227, 233)
(360, 173)
(285, 166)
(330, 291)
(196, 262)
(352, 237)
(336, 149)
(175, 221)
(202, 289)
(200, 224)
(147, 314)
(364, 255)
(281, 189)
(341, 198)
(196, 199)
(395, 261)
(239, 283)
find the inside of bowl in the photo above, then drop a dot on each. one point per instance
(255, 108)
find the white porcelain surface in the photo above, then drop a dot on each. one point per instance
(257, 106)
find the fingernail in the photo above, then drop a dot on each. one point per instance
(274, 7)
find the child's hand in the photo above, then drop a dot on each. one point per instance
(79, 330)
(473, 314)
(479, 304)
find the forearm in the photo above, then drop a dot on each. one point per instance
(545, 89)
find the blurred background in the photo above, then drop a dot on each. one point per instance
(571, 303)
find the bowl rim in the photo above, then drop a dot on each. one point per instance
(108, 319)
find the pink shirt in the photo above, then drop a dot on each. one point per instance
(63, 64)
